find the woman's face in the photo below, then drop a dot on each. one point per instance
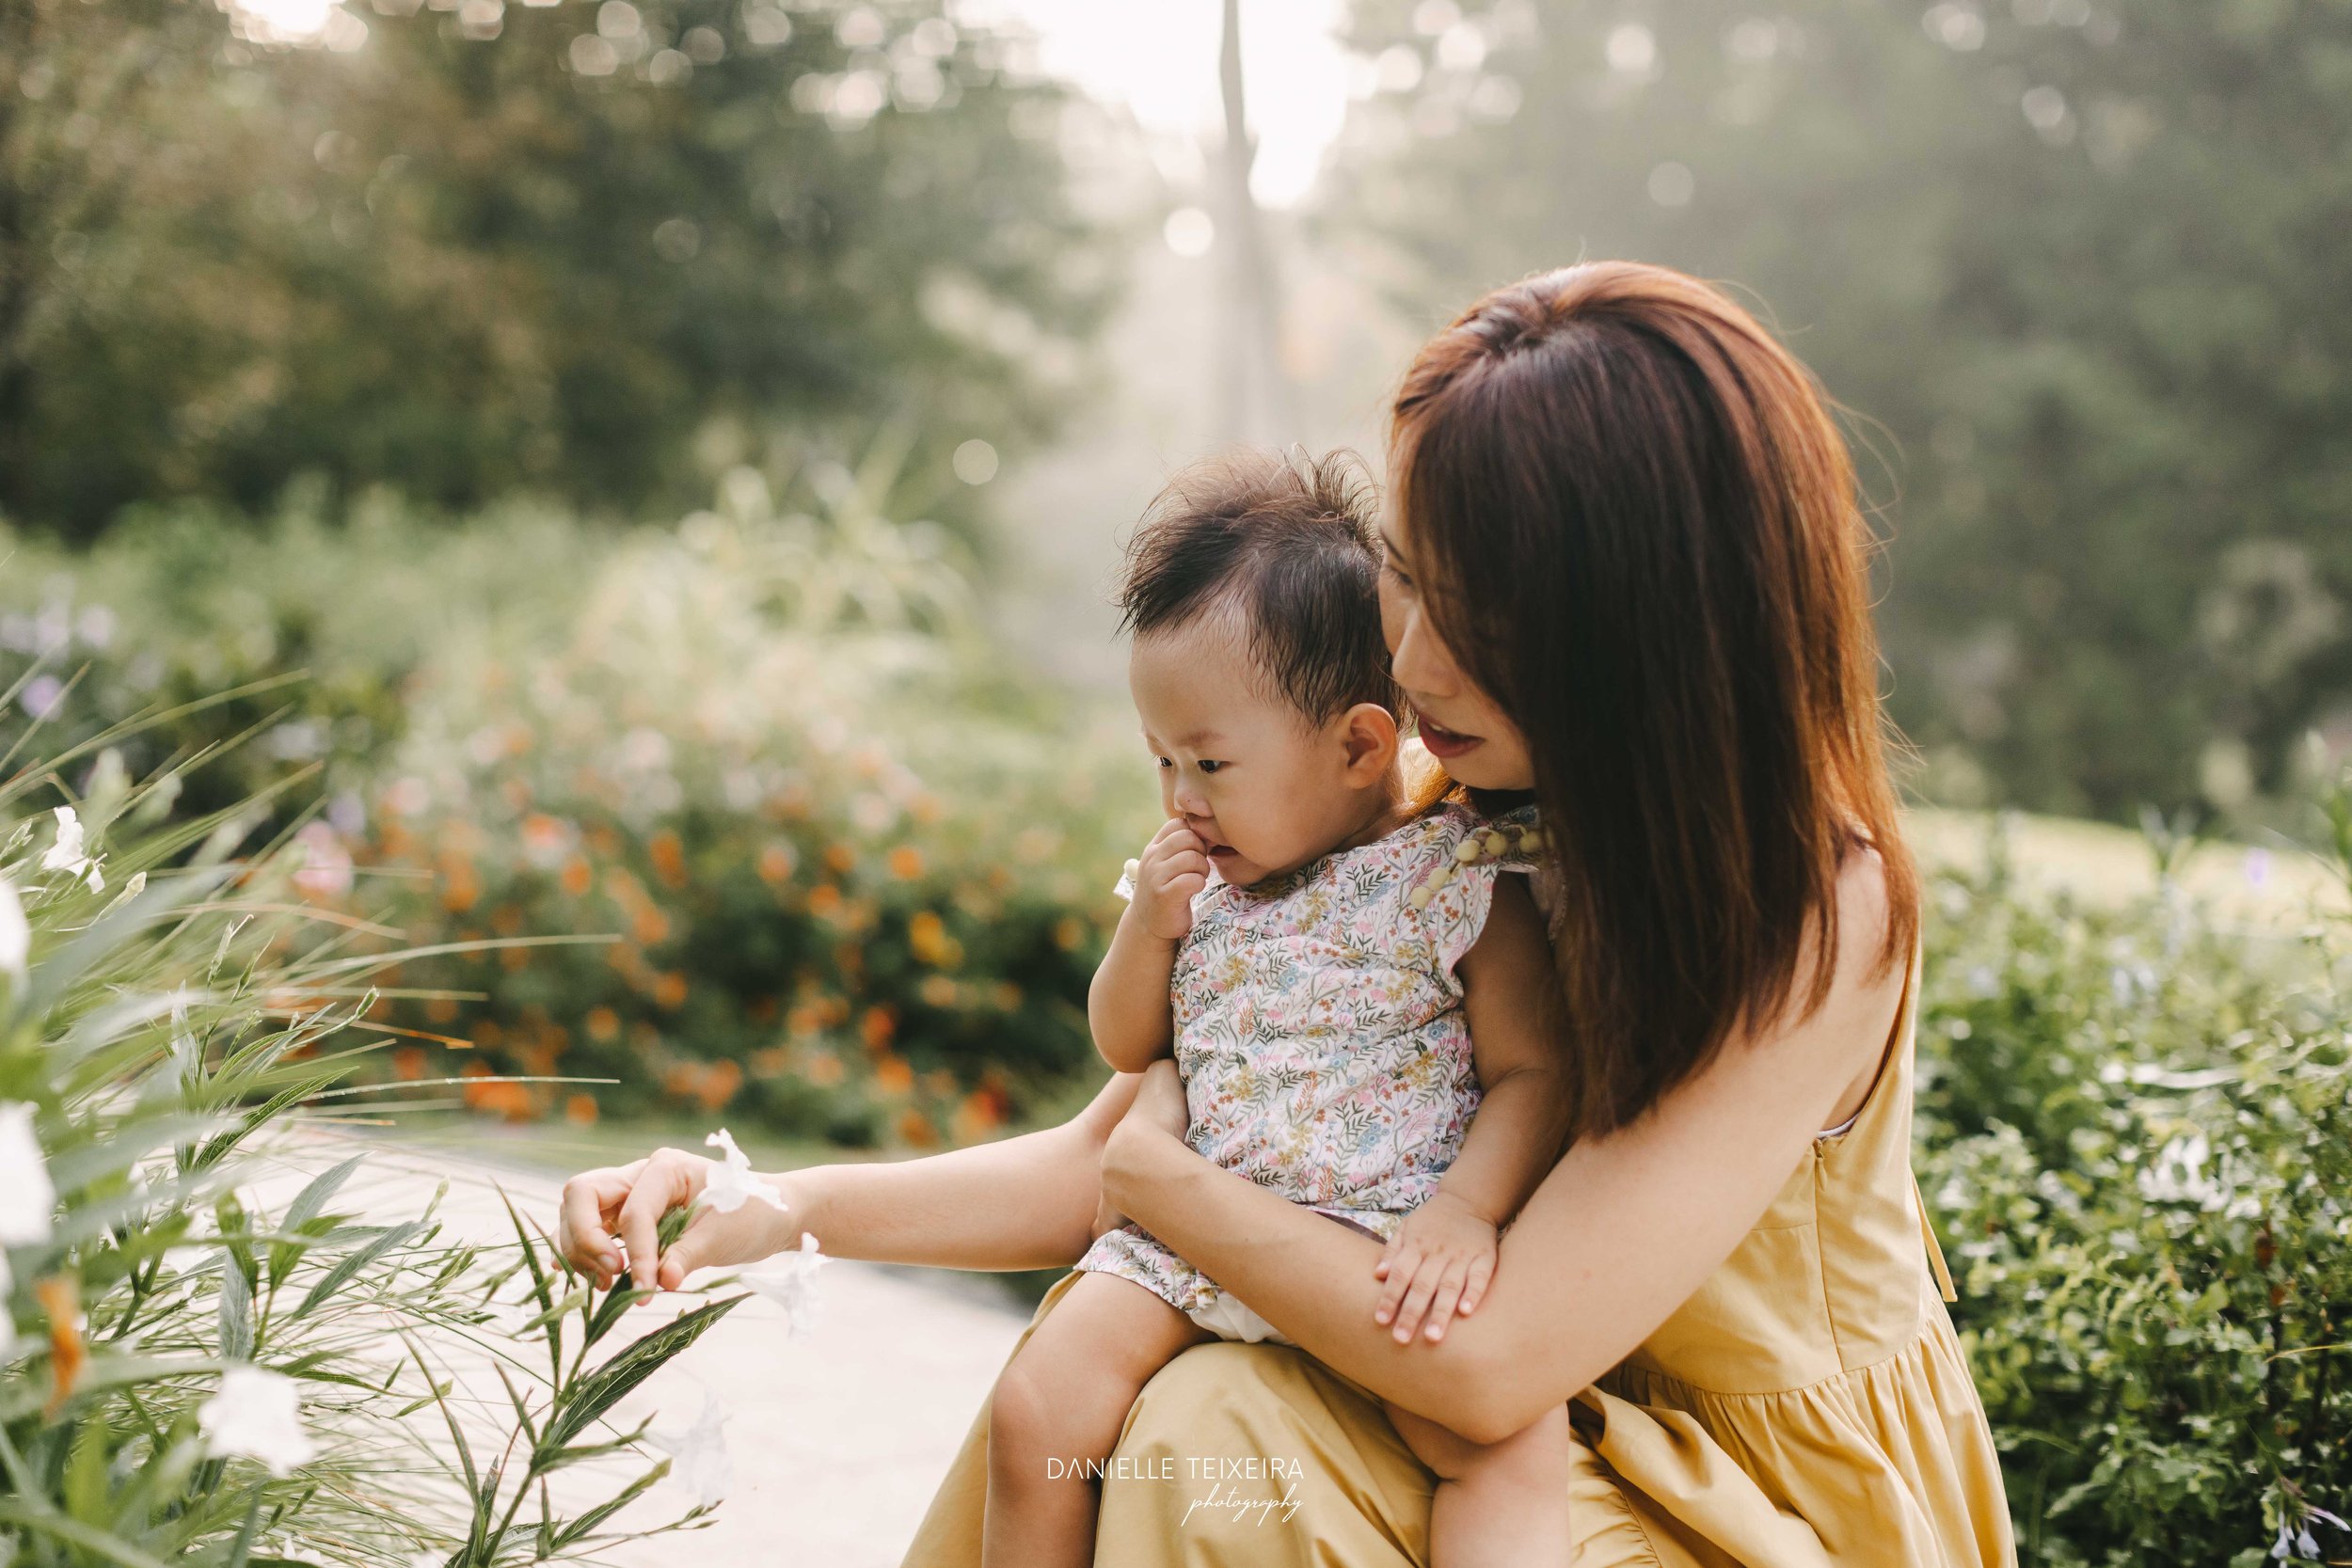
(1459, 723)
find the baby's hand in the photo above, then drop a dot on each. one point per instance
(1438, 1262)
(1173, 868)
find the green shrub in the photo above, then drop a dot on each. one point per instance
(2137, 1139)
(853, 875)
(193, 1376)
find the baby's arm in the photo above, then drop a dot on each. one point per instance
(1444, 1253)
(1127, 1005)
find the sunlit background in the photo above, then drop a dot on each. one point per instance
(645, 473)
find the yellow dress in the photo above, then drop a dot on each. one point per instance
(1808, 1406)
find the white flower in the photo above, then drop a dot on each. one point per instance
(25, 1193)
(16, 937)
(2178, 1174)
(701, 1451)
(257, 1415)
(791, 1284)
(733, 1183)
(66, 853)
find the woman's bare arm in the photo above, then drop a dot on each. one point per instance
(1024, 1203)
(1616, 1237)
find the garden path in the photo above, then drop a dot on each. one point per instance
(838, 1438)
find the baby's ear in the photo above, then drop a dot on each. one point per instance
(1368, 731)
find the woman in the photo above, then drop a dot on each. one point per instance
(1627, 574)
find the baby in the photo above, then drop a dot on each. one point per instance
(1342, 979)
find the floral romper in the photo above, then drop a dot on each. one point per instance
(1319, 1030)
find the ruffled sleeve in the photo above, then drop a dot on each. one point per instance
(1449, 875)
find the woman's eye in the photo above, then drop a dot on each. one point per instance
(1404, 577)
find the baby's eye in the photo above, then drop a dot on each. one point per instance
(1165, 762)
(1211, 767)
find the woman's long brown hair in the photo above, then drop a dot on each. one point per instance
(1636, 526)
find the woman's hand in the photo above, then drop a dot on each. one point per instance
(1160, 1101)
(1156, 1115)
(619, 1207)
(1440, 1258)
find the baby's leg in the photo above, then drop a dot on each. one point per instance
(1497, 1503)
(1060, 1403)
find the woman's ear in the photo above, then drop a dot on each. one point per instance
(1368, 731)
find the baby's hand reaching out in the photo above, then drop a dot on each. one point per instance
(1173, 868)
(1439, 1263)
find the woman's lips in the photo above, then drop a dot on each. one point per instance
(1444, 743)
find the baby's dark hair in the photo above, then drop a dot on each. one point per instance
(1289, 545)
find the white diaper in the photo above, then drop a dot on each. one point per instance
(1228, 1319)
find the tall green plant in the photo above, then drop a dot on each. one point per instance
(192, 1375)
(2136, 1132)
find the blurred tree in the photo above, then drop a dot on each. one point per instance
(2085, 266)
(596, 250)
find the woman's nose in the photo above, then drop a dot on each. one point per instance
(1420, 662)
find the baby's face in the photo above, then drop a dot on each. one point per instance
(1265, 791)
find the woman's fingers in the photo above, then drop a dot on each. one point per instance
(686, 1254)
(663, 1184)
(582, 1218)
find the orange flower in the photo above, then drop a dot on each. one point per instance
(459, 890)
(516, 791)
(877, 1027)
(841, 857)
(577, 877)
(1068, 931)
(893, 1076)
(488, 1034)
(927, 934)
(822, 1068)
(61, 1300)
(650, 925)
(775, 864)
(916, 1128)
(719, 1081)
(937, 990)
(906, 862)
(603, 1023)
(824, 900)
(409, 1062)
(925, 808)
(669, 989)
(441, 1010)
(769, 1060)
(513, 959)
(976, 1115)
(667, 856)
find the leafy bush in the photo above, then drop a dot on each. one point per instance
(850, 874)
(858, 878)
(2136, 1132)
(191, 1375)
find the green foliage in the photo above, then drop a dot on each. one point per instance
(2058, 254)
(2136, 1137)
(598, 252)
(157, 1026)
(756, 817)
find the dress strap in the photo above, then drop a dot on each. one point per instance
(1935, 1249)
